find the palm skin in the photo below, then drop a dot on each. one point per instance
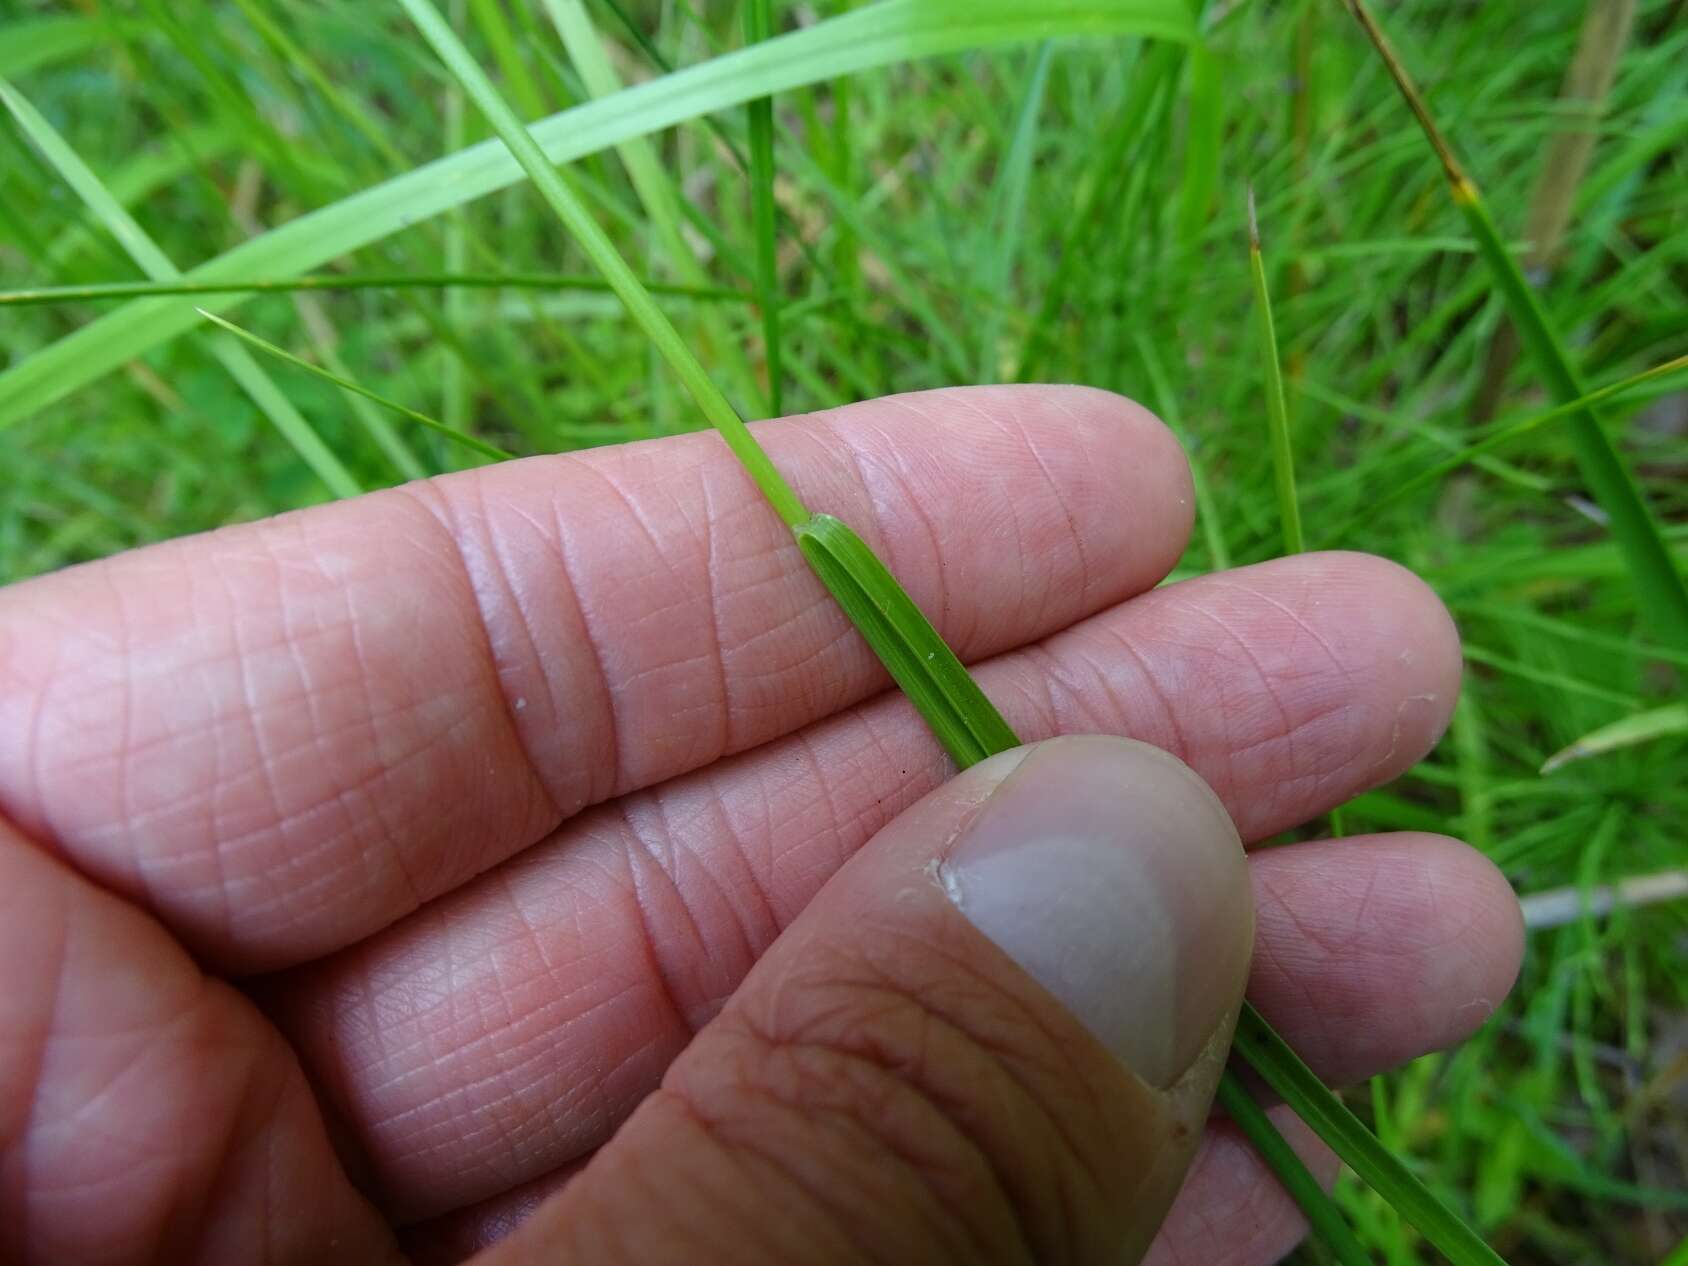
(363, 869)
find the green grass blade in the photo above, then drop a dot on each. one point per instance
(874, 35)
(1320, 1210)
(1208, 518)
(1008, 215)
(1204, 128)
(655, 189)
(759, 26)
(495, 29)
(936, 682)
(1659, 588)
(552, 186)
(326, 343)
(1642, 727)
(40, 41)
(146, 253)
(354, 281)
(1277, 408)
(1510, 431)
(1345, 1134)
(340, 380)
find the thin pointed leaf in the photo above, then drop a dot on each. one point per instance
(936, 682)
(1277, 408)
(550, 183)
(1345, 1134)
(1642, 727)
(759, 26)
(339, 380)
(352, 281)
(1322, 1214)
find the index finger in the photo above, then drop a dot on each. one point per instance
(283, 736)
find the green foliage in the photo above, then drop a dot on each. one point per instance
(1553, 1126)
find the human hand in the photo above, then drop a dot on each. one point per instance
(370, 868)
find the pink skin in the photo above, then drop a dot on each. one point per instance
(489, 791)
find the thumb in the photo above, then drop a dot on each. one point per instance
(993, 1037)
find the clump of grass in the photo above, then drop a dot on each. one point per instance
(1658, 582)
(115, 430)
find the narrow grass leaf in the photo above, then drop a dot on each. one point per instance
(1008, 214)
(1277, 408)
(1345, 1134)
(40, 41)
(152, 261)
(655, 188)
(1642, 727)
(936, 682)
(340, 380)
(355, 281)
(759, 26)
(553, 187)
(1659, 588)
(874, 35)
(1321, 1211)
(1203, 130)
(1506, 434)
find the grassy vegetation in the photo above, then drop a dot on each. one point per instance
(1072, 210)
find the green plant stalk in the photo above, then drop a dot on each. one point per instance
(759, 26)
(918, 659)
(480, 446)
(1660, 591)
(553, 187)
(934, 680)
(449, 280)
(651, 182)
(1008, 214)
(1322, 1214)
(152, 261)
(1277, 408)
(1282, 1069)
(495, 27)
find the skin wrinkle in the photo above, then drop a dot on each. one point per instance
(891, 1079)
(891, 552)
(647, 936)
(1286, 729)
(30, 1083)
(493, 545)
(847, 1027)
(610, 719)
(712, 592)
(1008, 431)
(1059, 499)
(439, 512)
(710, 752)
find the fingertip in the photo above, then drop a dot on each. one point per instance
(1408, 941)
